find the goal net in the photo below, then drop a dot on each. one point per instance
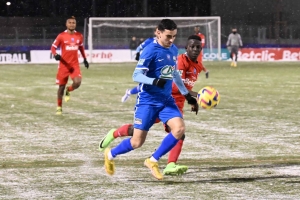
(109, 38)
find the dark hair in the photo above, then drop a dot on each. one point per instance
(72, 17)
(194, 37)
(167, 24)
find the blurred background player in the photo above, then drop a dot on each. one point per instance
(155, 100)
(69, 41)
(202, 36)
(233, 44)
(200, 57)
(189, 69)
(133, 43)
(139, 50)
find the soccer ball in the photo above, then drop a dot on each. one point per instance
(208, 97)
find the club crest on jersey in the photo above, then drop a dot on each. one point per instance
(167, 72)
(168, 56)
(72, 39)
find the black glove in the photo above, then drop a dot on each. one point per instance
(86, 64)
(207, 74)
(137, 56)
(191, 100)
(159, 82)
(57, 56)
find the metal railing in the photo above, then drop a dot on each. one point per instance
(44, 36)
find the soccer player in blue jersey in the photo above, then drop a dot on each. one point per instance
(155, 71)
(139, 50)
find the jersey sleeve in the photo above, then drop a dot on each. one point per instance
(181, 66)
(57, 41)
(240, 40)
(55, 44)
(181, 70)
(179, 83)
(145, 59)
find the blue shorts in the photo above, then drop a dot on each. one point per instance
(146, 114)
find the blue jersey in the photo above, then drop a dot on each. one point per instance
(159, 62)
(145, 43)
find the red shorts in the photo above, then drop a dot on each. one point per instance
(63, 74)
(180, 104)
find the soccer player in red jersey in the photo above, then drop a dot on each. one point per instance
(69, 41)
(189, 69)
(202, 36)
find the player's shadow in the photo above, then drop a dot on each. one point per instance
(234, 180)
(221, 180)
(228, 180)
(240, 179)
(226, 168)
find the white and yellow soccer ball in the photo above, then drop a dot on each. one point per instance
(208, 97)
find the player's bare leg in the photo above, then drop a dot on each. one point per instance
(60, 94)
(76, 84)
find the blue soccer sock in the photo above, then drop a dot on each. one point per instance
(134, 90)
(166, 145)
(123, 147)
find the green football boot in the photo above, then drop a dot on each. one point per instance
(173, 169)
(108, 138)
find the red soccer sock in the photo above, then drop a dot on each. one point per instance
(122, 131)
(70, 88)
(59, 102)
(175, 152)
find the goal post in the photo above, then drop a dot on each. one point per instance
(115, 33)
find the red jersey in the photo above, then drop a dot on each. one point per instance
(189, 71)
(69, 45)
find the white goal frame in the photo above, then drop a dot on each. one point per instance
(91, 19)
